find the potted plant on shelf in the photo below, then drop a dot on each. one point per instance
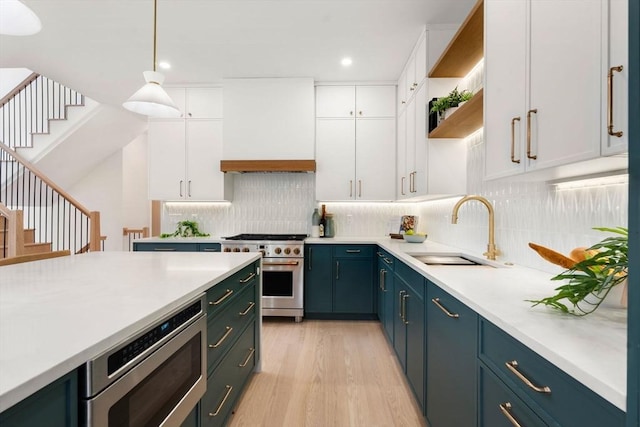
(446, 105)
(592, 273)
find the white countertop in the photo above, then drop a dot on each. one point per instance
(56, 314)
(591, 349)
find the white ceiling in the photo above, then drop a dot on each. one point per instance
(101, 47)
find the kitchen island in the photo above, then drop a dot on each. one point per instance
(57, 314)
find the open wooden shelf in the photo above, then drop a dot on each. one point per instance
(464, 121)
(466, 47)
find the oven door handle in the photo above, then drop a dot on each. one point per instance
(269, 264)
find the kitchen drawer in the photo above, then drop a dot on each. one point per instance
(387, 259)
(221, 295)
(353, 251)
(225, 385)
(411, 277)
(223, 330)
(498, 403)
(208, 247)
(569, 403)
(165, 247)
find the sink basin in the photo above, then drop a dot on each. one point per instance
(445, 260)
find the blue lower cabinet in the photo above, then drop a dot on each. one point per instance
(409, 327)
(353, 286)
(500, 407)
(209, 247)
(318, 280)
(452, 339)
(385, 300)
(225, 385)
(56, 405)
(165, 247)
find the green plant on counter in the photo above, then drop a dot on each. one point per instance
(590, 280)
(185, 229)
(454, 98)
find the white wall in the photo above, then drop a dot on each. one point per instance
(135, 182)
(10, 78)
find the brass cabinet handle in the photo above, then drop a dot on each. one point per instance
(400, 295)
(529, 156)
(513, 365)
(337, 270)
(403, 102)
(353, 251)
(222, 298)
(387, 260)
(436, 301)
(360, 112)
(350, 188)
(610, 101)
(181, 183)
(404, 308)
(310, 255)
(513, 139)
(270, 264)
(164, 249)
(211, 250)
(224, 400)
(412, 182)
(246, 361)
(224, 337)
(189, 188)
(381, 279)
(251, 305)
(351, 113)
(251, 276)
(379, 254)
(505, 408)
(359, 188)
(402, 186)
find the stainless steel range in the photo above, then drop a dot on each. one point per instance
(282, 270)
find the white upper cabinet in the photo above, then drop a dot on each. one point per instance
(355, 146)
(355, 101)
(544, 85)
(185, 153)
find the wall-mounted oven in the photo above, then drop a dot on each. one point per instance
(155, 378)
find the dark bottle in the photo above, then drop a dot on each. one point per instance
(323, 220)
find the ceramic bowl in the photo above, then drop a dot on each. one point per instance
(414, 238)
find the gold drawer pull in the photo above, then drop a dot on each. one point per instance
(221, 340)
(211, 250)
(513, 365)
(436, 301)
(224, 400)
(222, 298)
(529, 155)
(353, 251)
(164, 249)
(513, 139)
(505, 408)
(251, 276)
(610, 102)
(244, 313)
(246, 361)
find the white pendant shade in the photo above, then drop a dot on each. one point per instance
(152, 100)
(16, 19)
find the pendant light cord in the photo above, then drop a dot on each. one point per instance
(155, 19)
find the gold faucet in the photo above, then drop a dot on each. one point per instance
(492, 251)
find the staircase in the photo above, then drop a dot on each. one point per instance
(37, 217)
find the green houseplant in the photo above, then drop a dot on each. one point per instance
(453, 99)
(186, 229)
(591, 280)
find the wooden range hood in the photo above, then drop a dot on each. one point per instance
(247, 166)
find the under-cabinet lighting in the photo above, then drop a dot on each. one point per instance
(195, 204)
(619, 177)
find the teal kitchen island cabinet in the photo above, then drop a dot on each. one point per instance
(339, 281)
(451, 360)
(409, 326)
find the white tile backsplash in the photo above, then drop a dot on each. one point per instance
(525, 212)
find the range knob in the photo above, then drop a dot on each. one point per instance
(236, 249)
(287, 251)
(227, 249)
(296, 251)
(278, 250)
(245, 249)
(262, 252)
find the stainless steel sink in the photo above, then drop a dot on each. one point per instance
(445, 260)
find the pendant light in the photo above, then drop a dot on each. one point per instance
(16, 19)
(152, 100)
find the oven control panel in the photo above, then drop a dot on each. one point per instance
(268, 250)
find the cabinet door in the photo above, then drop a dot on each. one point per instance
(399, 327)
(335, 159)
(375, 159)
(204, 103)
(353, 289)
(421, 59)
(335, 101)
(167, 160)
(204, 152)
(375, 101)
(402, 176)
(410, 82)
(415, 315)
(401, 96)
(505, 86)
(565, 81)
(451, 360)
(618, 53)
(410, 154)
(419, 151)
(318, 281)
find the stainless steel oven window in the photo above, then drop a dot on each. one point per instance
(280, 277)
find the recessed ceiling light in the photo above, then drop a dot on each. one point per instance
(164, 65)
(346, 61)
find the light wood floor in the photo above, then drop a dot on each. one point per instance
(329, 374)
